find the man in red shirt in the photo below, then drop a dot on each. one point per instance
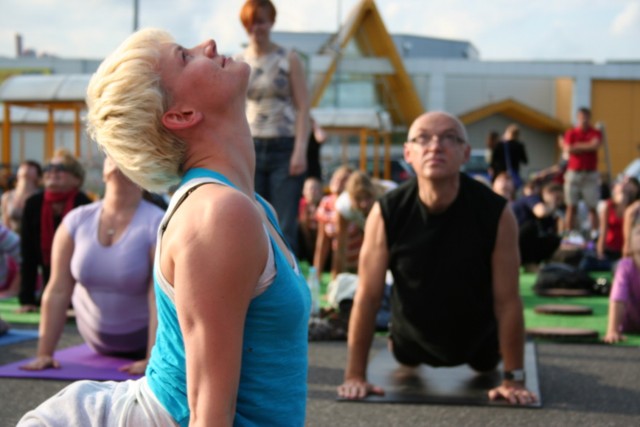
(582, 180)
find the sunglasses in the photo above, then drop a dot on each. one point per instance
(55, 167)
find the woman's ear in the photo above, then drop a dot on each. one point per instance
(180, 120)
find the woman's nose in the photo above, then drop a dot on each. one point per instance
(208, 48)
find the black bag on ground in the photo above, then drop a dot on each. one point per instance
(558, 275)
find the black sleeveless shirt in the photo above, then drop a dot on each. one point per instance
(442, 297)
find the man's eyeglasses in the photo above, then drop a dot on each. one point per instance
(55, 167)
(448, 139)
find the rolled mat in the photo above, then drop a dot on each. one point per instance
(564, 309)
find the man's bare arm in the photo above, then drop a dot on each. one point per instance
(372, 267)
(508, 308)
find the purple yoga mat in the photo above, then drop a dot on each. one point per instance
(76, 363)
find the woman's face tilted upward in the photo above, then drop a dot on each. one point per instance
(200, 79)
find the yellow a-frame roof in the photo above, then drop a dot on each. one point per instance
(517, 111)
(364, 25)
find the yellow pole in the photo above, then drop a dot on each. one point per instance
(344, 143)
(363, 150)
(76, 128)
(49, 137)
(6, 135)
(376, 154)
(387, 156)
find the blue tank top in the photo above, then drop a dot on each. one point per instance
(273, 376)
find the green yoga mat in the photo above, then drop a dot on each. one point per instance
(8, 309)
(596, 321)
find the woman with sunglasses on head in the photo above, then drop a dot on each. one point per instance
(232, 304)
(43, 212)
(102, 262)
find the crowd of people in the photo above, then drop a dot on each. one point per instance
(207, 298)
(567, 205)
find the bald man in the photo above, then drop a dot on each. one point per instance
(452, 246)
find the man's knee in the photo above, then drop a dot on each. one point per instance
(402, 355)
(485, 364)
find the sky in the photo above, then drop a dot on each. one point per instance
(590, 30)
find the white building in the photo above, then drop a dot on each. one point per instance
(367, 86)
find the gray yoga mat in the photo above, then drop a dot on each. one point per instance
(458, 385)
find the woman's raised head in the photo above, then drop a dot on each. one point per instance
(126, 103)
(250, 10)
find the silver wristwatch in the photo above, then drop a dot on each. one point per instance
(515, 375)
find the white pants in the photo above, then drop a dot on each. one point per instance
(105, 404)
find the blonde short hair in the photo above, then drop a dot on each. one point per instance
(126, 103)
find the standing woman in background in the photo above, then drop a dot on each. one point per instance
(509, 155)
(278, 115)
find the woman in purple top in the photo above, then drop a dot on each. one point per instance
(624, 301)
(102, 261)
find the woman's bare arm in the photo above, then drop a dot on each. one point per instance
(55, 300)
(217, 250)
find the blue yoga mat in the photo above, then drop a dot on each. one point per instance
(18, 335)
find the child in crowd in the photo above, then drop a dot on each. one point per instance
(503, 185)
(538, 225)
(611, 236)
(352, 206)
(307, 221)
(325, 214)
(631, 216)
(624, 300)
(10, 260)
(28, 181)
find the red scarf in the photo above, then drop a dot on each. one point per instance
(47, 225)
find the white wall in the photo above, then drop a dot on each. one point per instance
(466, 93)
(540, 146)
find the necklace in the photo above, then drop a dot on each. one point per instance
(111, 231)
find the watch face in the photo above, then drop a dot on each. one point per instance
(517, 375)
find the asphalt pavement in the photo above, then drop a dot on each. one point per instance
(581, 385)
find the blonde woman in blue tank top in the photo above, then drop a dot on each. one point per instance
(231, 346)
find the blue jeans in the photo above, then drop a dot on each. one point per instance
(273, 182)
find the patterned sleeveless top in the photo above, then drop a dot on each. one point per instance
(270, 109)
